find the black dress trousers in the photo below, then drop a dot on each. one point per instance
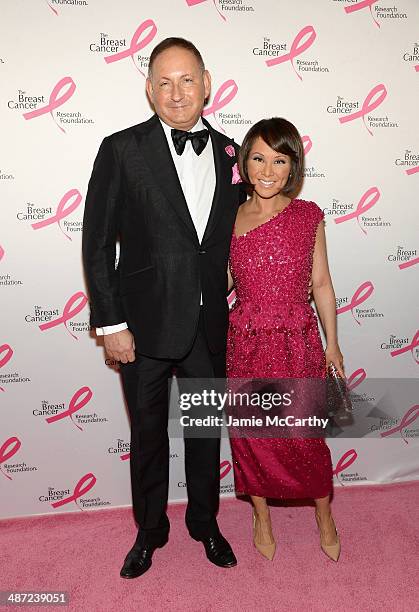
(145, 383)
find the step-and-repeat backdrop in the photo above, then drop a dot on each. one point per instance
(346, 72)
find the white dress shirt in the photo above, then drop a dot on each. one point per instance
(197, 178)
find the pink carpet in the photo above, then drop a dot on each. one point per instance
(82, 553)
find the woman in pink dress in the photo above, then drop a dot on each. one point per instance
(278, 246)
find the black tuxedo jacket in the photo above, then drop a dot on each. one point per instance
(135, 196)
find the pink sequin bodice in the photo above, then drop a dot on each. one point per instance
(271, 267)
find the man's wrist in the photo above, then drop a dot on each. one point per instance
(110, 329)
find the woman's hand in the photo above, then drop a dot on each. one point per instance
(333, 355)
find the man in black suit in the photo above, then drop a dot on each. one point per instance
(165, 189)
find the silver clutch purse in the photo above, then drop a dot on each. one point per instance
(339, 403)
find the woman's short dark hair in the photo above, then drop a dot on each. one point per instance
(283, 137)
(174, 41)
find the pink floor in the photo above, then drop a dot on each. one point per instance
(82, 553)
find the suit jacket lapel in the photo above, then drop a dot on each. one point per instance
(163, 168)
(222, 178)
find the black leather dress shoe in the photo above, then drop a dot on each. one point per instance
(138, 561)
(219, 551)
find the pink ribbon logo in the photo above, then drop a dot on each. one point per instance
(367, 201)
(64, 208)
(78, 401)
(1, 252)
(408, 264)
(137, 43)
(225, 467)
(6, 353)
(125, 457)
(7, 450)
(344, 462)
(411, 415)
(409, 347)
(84, 485)
(412, 170)
(360, 5)
(55, 100)
(355, 379)
(361, 295)
(416, 68)
(74, 305)
(224, 96)
(52, 8)
(368, 105)
(309, 33)
(307, 144)
(195, 2)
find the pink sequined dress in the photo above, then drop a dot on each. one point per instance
(273, 333)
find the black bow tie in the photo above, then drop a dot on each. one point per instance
(198, 139)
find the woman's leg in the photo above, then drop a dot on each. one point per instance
(263, 525)
(325, 520)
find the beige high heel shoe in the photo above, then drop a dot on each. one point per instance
(331, 550)
(267, 550)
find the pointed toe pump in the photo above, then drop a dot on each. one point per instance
(330, 550)
(266, 550)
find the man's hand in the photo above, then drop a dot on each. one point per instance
(120, 346)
